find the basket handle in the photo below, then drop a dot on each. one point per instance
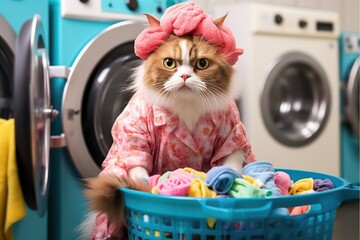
(228, 211)
(350, 192)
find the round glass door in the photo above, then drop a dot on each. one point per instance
(94, 94)
(106, 96)
(352, 98)
(295, 101)
(32, 113)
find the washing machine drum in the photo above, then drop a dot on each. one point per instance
(6, 63)
(106, 95)
(295, 101)
(96, 93)
(352, 98)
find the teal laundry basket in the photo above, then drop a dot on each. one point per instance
(154, 217)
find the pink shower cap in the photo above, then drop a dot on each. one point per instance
(187, 18)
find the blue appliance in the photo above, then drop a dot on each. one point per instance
(349, 76)
(92, 60)
(13, 14)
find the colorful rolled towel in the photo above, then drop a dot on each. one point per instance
(197, 174)
(199, 189)
(301, 186)
(283, 182)
(183, 19)
(221, 178)
(242, 189)
(153, 180)
(299, 210)
(263, 173)
(323, 185)
(176, 184)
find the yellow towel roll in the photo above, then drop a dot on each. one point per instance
(12, 206)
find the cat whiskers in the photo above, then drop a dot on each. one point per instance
(170, 86)
(161, 96)
(216, 95)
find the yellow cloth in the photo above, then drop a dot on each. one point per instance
(302, 186)
(199, 189)
(249, 179)
(12, 206)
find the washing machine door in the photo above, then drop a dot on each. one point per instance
(7, 47)
(352, 98)
(95, 94)
(295, 100)
(32, 112)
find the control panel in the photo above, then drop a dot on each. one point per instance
(113, 10)
(292, 21)
(154, 7)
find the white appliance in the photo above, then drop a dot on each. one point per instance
(289, 83)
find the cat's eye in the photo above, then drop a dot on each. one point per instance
(169, 63)
(202, 63)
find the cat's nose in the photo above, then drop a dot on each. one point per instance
(185, 76)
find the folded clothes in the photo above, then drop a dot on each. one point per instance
(263, 173)
(323, 185)
(180, 173)
(283, 182)
(260, 180)
(177, 183)
(164, 176)
(304, 185)
(249, 179)
(221, 178)
(153, 180)
(299, 210)
(242, 189)
(197, 174)
(174, 187)
(199, 189)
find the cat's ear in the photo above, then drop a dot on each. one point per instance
(153, 21)
(220, 21)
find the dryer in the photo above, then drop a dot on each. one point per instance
(349, 78)
(92, 60)
(12, 15)
(289, 84)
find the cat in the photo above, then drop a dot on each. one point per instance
(182, 114)
(188, 76)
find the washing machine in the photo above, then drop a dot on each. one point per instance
(68, 104)
(347, 217)
(12, 15)
(289, 88)
(349, 45)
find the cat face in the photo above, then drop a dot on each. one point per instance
(187, 69)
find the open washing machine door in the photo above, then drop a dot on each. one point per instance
(7, 48)
(95, 94)
(295, 100)
(32, 113)
(352, 98)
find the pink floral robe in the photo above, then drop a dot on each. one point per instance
(153, 137)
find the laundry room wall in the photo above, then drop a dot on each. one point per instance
(348, 9)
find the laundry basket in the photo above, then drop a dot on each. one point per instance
(151, 216)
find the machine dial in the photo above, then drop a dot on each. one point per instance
(278, 19)
(302, 24)
(132, 4)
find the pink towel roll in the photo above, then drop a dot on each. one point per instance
(187, 18)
